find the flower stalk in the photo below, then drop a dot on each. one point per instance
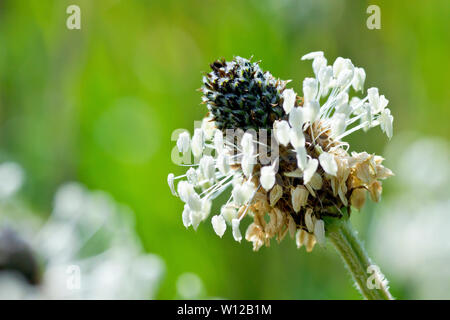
(368, 279)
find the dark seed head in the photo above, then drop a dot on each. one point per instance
(240, 95)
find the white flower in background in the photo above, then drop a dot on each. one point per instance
(190, 287)
(88, 249)
(310, 175)
(410, 237)
(11, 179)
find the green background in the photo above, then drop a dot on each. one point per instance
(99, 105)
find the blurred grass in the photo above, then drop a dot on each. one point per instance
(98, 105)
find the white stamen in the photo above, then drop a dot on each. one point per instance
(183, 142)
(170, 179)
(267, 177)
(219, 225)
(289, 97)
(197, 143)
(312, 55)
(281, 131)
(328, 163)
(236, 232)
(310, 170)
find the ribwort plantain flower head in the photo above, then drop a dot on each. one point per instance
(282, 155)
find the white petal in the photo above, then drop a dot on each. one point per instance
(242, 193)
(247, 164)
(383, 102)
(196, 217)
(358, 80)
(186, 216)
(296, 117)
(194, 202)
(247, 144)
(338, 124)
(296, 137)
(207, 167)
(208, 127)
(345, 78)
(311, 111)
(319, 231)
(248, 188)
(345, 109)
(223, 163)
(374, 98)
(386, 121)
(318, 63)
(236, 232)
(355, 103)
(228, 213)
(301, 157)
(185, 189)
(281, 131)
(289, 97)
(183, 142)
(389, 127)
(310, 86)
(328, 163)
(206, 208)
(192, 176)
(267, 177)
(170, 182)
(325, 75)
(197, 143)
(341, 99)
(364, 121)
(312, 55)
(219, 225)
(310, 170)
(340, 65)
(218, 141)
(237, 180)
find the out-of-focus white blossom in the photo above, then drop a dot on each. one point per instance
(117, 269)
(410, 237)
(11, 179)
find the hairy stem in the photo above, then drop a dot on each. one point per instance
(367, 276)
